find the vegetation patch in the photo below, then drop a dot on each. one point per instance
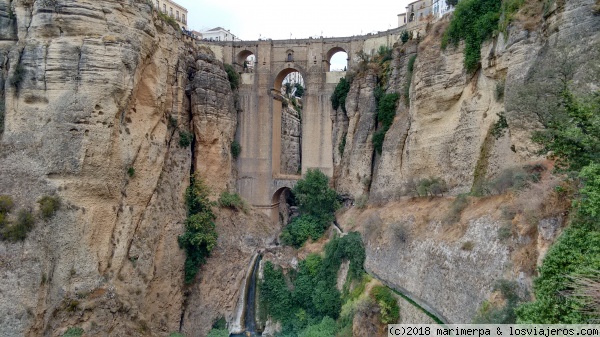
(312, 303)
(185, 138)
(338, 98)
(19, 229)
(233, 76)
(73, 332)
(233, 201)
(48, 206)
(456, 208)
(236, 149)
(317, 203)
(409, 73)
(386, 111)
(474, 21)
(200, 236)
(500, 126)
(388, 304)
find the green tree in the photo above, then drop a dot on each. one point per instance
(314, 196)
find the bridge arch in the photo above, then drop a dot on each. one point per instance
(282, 72)
(334, 51)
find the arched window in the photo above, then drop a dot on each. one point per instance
(290, 57)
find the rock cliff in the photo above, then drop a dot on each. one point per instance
(96, 98)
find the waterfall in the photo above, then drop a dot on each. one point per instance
(244, 323)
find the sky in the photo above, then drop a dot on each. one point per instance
(251, 20)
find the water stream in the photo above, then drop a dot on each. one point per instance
(250, 303)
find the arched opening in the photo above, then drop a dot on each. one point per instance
(337, 58)
(287, 123)
(246, 60)
(284, 205)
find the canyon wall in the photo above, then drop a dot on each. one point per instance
(96, 98)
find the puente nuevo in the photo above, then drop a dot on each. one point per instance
(260, 179)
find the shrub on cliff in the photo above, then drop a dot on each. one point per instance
(233, 201)
(474, 21)
(388, 304)
(233, 76)
(48, 206)
(303, 228)
(200, 236)
(338, 98)
(236, 149)
(6, 203)
(18, 230)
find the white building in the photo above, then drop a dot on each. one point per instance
(219, 34)
(174, 10)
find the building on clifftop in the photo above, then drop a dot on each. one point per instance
(219, 34)
(174, 10)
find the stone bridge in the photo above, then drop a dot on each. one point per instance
(260, 178)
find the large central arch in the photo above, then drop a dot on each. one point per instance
(276, 112)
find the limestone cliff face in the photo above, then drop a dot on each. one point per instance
(445, 130)
(94, 94)
(353, 174)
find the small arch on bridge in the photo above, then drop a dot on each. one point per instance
(246, 59)
(277, 83)
(337, 56)
(278, 208)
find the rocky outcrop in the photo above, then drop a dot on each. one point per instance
(445, 131)
(353, 175)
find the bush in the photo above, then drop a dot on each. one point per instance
(431, 187)
(49, 205)
(468, 246)
(388, 305)
(411, 63)
(303, 228)
(131, 172)
(18, 76)
(18, 231)
(576, 252)
(233, 201)
(326, 328)
(378, 138)
(404, 37)
(314, 196)
(200, 236)
(74, 332)
(474, 21)
(338, 98)
(6, 203)
(168, 19)
(386, 111)
(236, 149)
(458, 205)
(185, 138)
(589, 204)
(233, 76)
(500, 126)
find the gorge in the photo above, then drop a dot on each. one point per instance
(108, 109)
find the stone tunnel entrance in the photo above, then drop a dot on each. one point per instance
(288, 89)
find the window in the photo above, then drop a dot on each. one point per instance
(290, 57)
(183, 18)
(171, 11)
(164, 8)
(177, 15)
(157, 4)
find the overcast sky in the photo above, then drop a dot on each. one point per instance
(250, 20)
